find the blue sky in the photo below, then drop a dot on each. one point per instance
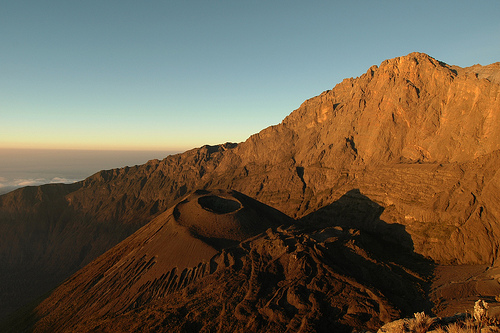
(173, 75)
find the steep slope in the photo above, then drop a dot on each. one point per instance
(44, 240)
(416, 136)
(173, 250)
(169, 277)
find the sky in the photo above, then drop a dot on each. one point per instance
(174, 75)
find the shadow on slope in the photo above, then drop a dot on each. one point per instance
(355, 210)
(379, 253)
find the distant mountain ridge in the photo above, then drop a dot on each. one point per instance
(416, 136)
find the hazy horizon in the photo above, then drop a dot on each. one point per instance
(33, 167)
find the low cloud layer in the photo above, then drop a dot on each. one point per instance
(33, 167)
(7, 185)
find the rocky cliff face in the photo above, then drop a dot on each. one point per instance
(417, 137)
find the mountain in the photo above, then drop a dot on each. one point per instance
(406, 154)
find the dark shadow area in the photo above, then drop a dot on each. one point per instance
(300, 173)
(350, 143)
(355, 210)
(24, 319)
(372, 251)
(218, 205)
(201, 192)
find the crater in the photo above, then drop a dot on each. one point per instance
(218, 205)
